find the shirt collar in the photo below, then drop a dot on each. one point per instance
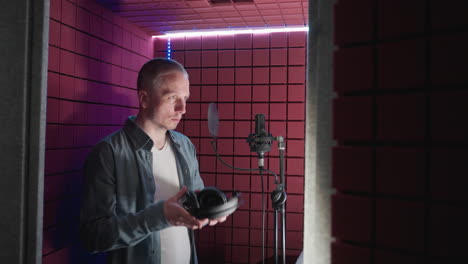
(139, 138)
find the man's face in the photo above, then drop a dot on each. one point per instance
(166, 103)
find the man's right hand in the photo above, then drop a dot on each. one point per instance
(176, 215)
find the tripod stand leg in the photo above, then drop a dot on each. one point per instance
(283, 230)
(276, 236)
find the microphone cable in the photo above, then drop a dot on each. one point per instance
(213, 145)
(261, 170)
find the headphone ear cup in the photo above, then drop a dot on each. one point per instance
(190, 202)
(210, 197)
(214, 203)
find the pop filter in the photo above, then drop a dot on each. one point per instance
(213, 120)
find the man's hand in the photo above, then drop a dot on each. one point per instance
(176, 215)
(213, 222)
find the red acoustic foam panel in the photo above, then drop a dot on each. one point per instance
(261, 76)
(243, 41)
(207, 164)
(226, 57)
(352, 118)
(295, 166)
(194, 75)
(296, 74)
(240, 254)
(68, 13)
(297, 56)
(192, 58)
(54, 59)
(209, 76)
(278, 93)
(54, 33)
(209, 93)
(297, 39)
(277, 111)
(178, 56)
(107, 30)
(342, 253)
(53, 84)
(352, 168)
(277, 128)
(117, 35)
(400, 171)
(412, 18)
(96, 28)
(447, 228)
(260, 92)
(243, 93)
(261, 40)
(82, 46)
(278, 40)
(358, 214)
(243, 75)
(178, 43)
(444, 17)
(296, 92)
(226, 76)
(354, 21)
(209, 58)
(243, 57)
(295, 129)
(225, 92)
(405, 122)
(296, 111)
(295, 148)
(383, 257)
(160, 44)
(295, 185)
(209, 42)
(448, 56)
(261, 57)
(56, 9)
(243, 111)
(448, 166)
(67, 62)
(241, 236)
(278, 57)
(226, 42)
(354, 69)
(192, 42)
(398, 224)
(402, 64)
(278, 75)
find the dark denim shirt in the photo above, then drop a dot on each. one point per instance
(118, 212)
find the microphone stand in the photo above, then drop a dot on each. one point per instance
(279, 197)
(260, 142)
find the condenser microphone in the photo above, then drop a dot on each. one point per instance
(260, 141)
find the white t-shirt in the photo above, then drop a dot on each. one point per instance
(175, 241)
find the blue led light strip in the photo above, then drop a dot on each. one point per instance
(168, 48)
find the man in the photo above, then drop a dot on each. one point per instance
(136, 176)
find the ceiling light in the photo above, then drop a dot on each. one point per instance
(175, 34)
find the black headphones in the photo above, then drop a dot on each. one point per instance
(210, 203)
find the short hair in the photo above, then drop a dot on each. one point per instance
(152, 71)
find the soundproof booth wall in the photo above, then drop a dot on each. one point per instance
(94, 58)
(245, 74)
(399, 166)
